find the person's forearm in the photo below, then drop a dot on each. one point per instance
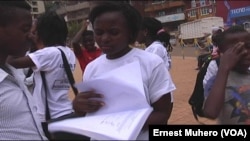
(159, 117)
(78, 35)
(21, 62)
(215, 99)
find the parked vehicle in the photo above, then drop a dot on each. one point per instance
(195, 31)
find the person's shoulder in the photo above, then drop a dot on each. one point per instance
(155, 44)
(101, 57)
(213, 63)
(50, 48)
(146, 54)
(54, 50)
(212, 67)
(43, 51)
(138, 51)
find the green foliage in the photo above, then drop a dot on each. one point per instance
(73, 28)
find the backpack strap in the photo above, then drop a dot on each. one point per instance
(196, 99)
(217, 60)
(68, 72)
(47, 113)
(30, 71)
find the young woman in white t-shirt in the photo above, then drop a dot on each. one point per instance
(116, 27)
(156, 39)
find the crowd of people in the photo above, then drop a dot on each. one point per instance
(30, 49)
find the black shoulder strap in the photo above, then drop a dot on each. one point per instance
(30, 71)
(69, 72)
(217, 61)
(197, 98)
(47, 114)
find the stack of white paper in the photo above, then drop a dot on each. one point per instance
(126, 108)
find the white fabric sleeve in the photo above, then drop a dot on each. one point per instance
(211, 71)
(45, 59)
(160, 83)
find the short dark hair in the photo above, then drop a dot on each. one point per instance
(87, 33)
(215, 37)
(52, 29)
(7, 7)
(132, 16)
(220, 37)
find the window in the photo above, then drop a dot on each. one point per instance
(35, 16)
(202, 2)
(204, 11)
(161, 13)
(34, 3)
(211, 1)
(178, 10)
(192, 13)
(35, 9)
(193, 4)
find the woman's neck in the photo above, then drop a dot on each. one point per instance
(120, 54)
(148, 42)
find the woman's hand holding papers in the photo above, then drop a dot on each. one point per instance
(87, 102)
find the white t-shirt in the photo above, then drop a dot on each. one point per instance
(50, 61)
(156, 78)
(212, 70)
(157, 48)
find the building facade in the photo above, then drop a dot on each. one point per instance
(169, 12)
(37, 8)
(74, 11)
(198, 9)
(234, 12)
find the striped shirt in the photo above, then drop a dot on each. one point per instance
(18, 120)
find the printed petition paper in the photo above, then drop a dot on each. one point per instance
(126, 108)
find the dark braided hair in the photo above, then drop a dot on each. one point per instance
(154, 26)
(87, 33)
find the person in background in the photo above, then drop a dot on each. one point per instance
(84, 46)
(227, 96)
(215, 32)
(52, 32)
(19, 119)
(116, 26)
(204, 47)
(156, 39)
(213, 67)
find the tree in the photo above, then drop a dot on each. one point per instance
(73, 28)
